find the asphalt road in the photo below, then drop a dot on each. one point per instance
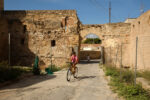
(90, 85)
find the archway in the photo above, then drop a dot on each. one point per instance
(90, 47)
(91, 38)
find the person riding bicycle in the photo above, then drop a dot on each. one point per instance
(74, 61)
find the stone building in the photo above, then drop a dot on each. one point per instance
(32, 33)
(140, 29)
(129, 20)
(112, 36)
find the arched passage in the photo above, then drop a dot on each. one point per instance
(92, 48)
(91, 38)
(97, 30)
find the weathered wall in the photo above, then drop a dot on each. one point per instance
(105, 31)
(32, 32)
(92, 54)
(1, 5)
(3, 39)
(112, 36)
(141, 28)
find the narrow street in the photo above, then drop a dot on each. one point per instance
(90, 85)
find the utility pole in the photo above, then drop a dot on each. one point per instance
(109, 11)
(9, 49)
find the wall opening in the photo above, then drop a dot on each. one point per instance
(53, 43)
(91, 39)
(90, 47)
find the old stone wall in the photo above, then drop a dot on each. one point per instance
(113, 36)
(140, 28)
(1, 5)
(3, 39)
(32, 33)
(92, 54)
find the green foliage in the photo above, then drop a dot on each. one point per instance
(54, 68)
(127, 76)
(92, 41)
(36, 71)
(144, 74)
(123, 84)
(11, 72)
(111, 71)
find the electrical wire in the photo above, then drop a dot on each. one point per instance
(99, 6)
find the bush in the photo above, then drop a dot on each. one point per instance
(111, 71)
(8, 73)
(54, 68)
(92, 41)
(144, 74)
(124, 84)
(127, 76)
(11, 72)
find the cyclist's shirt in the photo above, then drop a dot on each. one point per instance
(74, 59)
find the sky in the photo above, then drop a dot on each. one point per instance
(91, 35)
(88, 11)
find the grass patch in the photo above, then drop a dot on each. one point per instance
(144, 74)
(123, 84)
(8, 73)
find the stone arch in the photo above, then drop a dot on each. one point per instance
(93, 34)
(90, 29)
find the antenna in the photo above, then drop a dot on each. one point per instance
(109, 11)
(142, 7)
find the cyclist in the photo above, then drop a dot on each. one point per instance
(74, 61)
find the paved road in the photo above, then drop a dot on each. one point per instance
(91, 85)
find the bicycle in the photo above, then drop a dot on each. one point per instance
(69, 72)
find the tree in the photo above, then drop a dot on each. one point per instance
(92, 41)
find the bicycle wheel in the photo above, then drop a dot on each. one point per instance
(76, 72)
(69, 74)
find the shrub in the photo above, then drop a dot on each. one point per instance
(123, 84)
(144, 74)
(11, 72)
(111, 71)
(127, 76)
(8, 73)
(54, 68)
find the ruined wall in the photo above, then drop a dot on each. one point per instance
(32, 32)
(3, 39)
(141, 28)
(112, 36)
(1, 5)
(92, 54)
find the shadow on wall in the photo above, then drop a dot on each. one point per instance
(20, 54)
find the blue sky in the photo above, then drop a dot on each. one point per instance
(89, 11)
(91, 35)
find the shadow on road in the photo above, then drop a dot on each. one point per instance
(85, 77)
(28, 81)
